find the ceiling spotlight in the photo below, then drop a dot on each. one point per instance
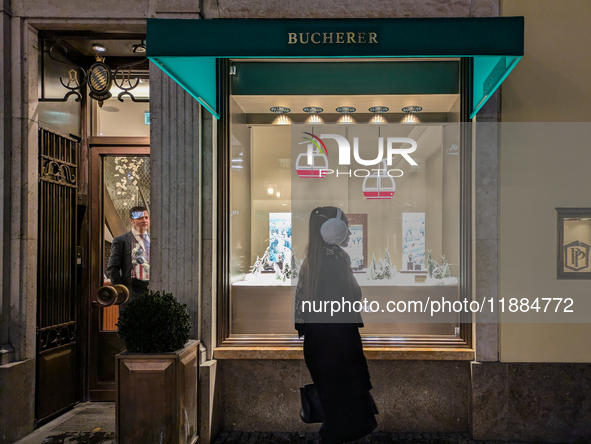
(378, 118)
(314, 118)
(313, 109)
(377, 114)
(280, 110)
(345, 109)
(412, 109)
(410, 118)
(282, 119)
(141, 48)
(98, 47)
(346, 118)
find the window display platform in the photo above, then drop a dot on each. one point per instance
(399, 279)
(268, 309)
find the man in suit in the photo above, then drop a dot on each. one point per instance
(129, 263)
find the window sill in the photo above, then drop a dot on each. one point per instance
(371, 353)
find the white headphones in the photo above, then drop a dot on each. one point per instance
(334, 231)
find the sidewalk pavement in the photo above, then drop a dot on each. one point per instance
(94, 423)
(88, 423)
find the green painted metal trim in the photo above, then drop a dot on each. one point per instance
(199, 79)
(478, 80)
(168, 40)
(409, 37)
(352, 78)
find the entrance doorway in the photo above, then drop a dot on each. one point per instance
(119, 180)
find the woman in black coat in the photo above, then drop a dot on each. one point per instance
(332, 344)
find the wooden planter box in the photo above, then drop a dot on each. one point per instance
(157, 396)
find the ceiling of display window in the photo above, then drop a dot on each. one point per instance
(432, 103)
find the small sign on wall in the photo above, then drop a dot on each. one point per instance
(574, 243)
(147, 117)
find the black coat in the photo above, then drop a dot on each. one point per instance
(119, 266)
(334, 356)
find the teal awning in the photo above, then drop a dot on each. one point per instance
(187, 50)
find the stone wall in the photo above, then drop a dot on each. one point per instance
(349, 9)
(418, 396)
(18, 224)
(532, 402)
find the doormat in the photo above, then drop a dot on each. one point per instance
(81, 438)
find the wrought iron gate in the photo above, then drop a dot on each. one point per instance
(56, 298)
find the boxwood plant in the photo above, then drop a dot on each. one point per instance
(154, 323)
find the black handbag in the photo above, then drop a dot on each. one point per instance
(311, 411)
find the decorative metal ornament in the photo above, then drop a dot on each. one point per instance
(75, 83)
(122, 78)
(100, 80)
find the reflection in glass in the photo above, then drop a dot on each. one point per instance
(126, 184)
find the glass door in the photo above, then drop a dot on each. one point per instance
(121, 179)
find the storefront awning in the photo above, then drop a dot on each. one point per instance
(188, 50)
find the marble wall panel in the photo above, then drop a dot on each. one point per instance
(489, 400)
(419, 396)
(486, 232)
(531, 402)
(17, 400)
(549, 402)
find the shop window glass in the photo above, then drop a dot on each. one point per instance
(127, 185)
(405, 229)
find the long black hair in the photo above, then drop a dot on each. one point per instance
(315, 252)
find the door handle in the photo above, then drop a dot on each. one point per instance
(112, 295)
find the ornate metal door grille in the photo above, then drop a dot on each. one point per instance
(56, 299)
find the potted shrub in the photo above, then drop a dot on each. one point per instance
(156, 377)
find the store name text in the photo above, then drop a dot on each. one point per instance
(324, 38)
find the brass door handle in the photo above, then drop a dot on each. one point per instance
(112, 295)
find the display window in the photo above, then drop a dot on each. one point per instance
(291, 123)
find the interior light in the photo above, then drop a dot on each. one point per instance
(379, 109)
(378, 118)
(345, 109)
(280, 110)
(139, 49)
(313, 109)
(282, 120)
(270, 190)
(410, 118)
(410, 114)
(278, 194)
(98, 47)
(346, 118)
(314, 118)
